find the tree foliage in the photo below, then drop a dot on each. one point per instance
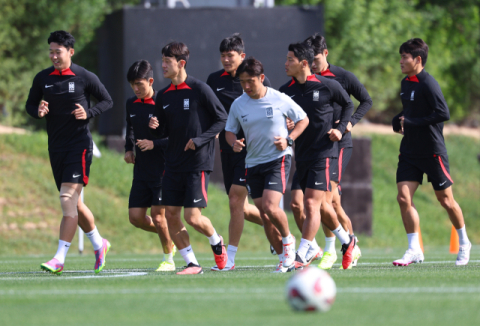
(24, 29)
(364, 36)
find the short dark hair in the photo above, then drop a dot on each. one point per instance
(302, 51)
(177, 50)
(417, 48)
(62, 38)
(232, 43)
(251, 66)
(317, 43)
(140, 70)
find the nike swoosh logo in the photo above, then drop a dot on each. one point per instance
(243, 116)
(166, 106)
(242, 179)
(132, 115)
(76, 175)
(197, 200)
(318, 183)
(334, 173)
(272, 183)
(401, 94)
(48, 86)
(219, 89)
(292, 96)
(442, 183)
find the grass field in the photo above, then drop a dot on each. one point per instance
(129, 292)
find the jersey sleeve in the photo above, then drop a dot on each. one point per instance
(219, 116)
(340, 96)
(396, 122)
(292, 109)
(233, 125)
(162, 143)
(129, 136)
(34, 97)
(98, 90)
(159, 113)
(360, 93)
(435, 99)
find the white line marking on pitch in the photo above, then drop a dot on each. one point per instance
(103, 275)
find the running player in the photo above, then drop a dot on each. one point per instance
(352, 86)
(315, 148)
(423, 150)
(147, 155)
(61, 94)
(261, 112)
(226, 85)
(190, 115)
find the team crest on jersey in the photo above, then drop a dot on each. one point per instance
(269, 112)
(150, 115)
(71, 87)
(412, 96)
(316, 95)
(186, 104)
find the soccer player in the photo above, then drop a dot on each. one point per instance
(352, 86)
(61, 94)
(261, 112)
(148, 159)
(226, 85)
(315, 148)
(423, 150)
(190, 115)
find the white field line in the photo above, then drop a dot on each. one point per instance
(234, 291)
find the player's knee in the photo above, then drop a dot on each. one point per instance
(446, 202)
(235, 200)
(311, 205)
(69, 201)
(135, 220)
(403, 201)
(269, 208)
(296, 207)
(192, 220)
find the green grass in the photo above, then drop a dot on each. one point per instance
(30, 211)
(374, 293)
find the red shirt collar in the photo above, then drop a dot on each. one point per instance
(178, 87)
(413, 79)
(64, 72)
(147, 100)
(313, 78)
(327, 73)
(225, 73)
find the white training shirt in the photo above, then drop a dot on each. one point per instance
(261, 121)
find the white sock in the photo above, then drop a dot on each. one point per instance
(303, 248)
(168, 257)
(214, 239)
(188, 255)
(62, 250)
(330, 244)
(462, 236)
(280, 257)
(287, 240)
(95, 239)
(231, 252)
(413, 242)
(341, 235)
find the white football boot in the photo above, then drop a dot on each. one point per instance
(463, 255)
(409, 258)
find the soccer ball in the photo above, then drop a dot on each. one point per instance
(311, 289)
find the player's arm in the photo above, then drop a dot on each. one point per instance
(397, 123)
(295, 113)
(219, 116)
(129, 140)
(35, 106)
(232, 127)
(162, 143)
(440, 112)
(340, 96)
(156, 125)
(98, 90)
(360, 93)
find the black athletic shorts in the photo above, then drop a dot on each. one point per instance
(187, 189)
(271, 175)
(314, 174)
(145, 194)
(337, 166)
(71, 166)
(435, 167)
(233, 168)
(295, 182)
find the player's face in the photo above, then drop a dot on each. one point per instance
(408, 64)
(320, 62)
(231, 60)
(171, 67)
(293, 66)
(142, 87)
(60, 56)
(252, 85)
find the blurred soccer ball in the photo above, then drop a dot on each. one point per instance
(311, 289)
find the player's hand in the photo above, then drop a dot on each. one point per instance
(402, 121)
(280, 143)
(238, 145)
(290, 124)
(43, 109)
(349, 127)
(190, 145)
(129, 157)
(145, 144)
(335, 135)
(79, 112)
(216, 137)
(153, 123)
